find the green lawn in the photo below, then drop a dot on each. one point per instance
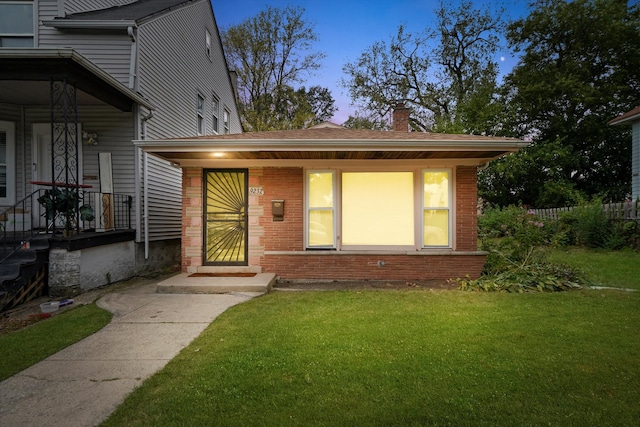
(21, 349)
(419, 357)
(618, 269)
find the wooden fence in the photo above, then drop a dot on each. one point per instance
(614, 211)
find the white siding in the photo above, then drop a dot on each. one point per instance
(635, 160)
(174, 67)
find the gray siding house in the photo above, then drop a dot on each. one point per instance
(79, 81)
(632, 118)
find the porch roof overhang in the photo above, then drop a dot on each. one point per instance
(25, 73)
(330, 145)
(627, 118)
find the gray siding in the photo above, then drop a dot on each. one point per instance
(179, 57)
(76, 6)
(635, 160)
(164, 199)
(110, 50)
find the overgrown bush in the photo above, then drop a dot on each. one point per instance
(588, 225)
(516, 260)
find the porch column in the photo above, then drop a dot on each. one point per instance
(64, 143)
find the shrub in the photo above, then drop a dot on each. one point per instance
(517, 262)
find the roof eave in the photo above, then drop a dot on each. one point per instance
(71, 24)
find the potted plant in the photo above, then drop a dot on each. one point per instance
(66, 202)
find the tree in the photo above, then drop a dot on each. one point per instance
(435, 73)
(272, 52)
(580, 67)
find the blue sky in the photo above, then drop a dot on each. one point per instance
(346, 28)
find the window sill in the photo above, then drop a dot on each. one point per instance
(423, 252)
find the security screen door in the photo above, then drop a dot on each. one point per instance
(225, 216)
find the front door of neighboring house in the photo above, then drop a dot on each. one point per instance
(225, 216)
(41, 151)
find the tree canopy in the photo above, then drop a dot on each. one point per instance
(579, 68)
(438, 73)
(272, 52)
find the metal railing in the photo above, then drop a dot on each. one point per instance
(28, 218)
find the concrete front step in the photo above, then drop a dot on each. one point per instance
(186, 283)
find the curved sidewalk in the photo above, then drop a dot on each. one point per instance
(84, 383)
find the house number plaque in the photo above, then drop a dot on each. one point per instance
(256, 191)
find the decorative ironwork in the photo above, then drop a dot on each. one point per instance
(226, 217)
(64, 142)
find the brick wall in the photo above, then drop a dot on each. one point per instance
(373, 267)
(466, 208)
(283, 184)
(267, 235)
(191, 249)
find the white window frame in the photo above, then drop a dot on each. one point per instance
(200, 100)
(309, 209)
(226, 115)
(215, 113)
(207, 41)
(418, 214)
(31, 35)
(449, 208)
(10, 129)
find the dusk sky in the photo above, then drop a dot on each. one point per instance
(346, 28)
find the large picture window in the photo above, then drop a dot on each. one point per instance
(377, 210)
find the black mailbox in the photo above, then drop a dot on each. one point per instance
(277, 210)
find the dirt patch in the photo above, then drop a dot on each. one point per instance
(344, 285)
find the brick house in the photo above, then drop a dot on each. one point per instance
(331, 203)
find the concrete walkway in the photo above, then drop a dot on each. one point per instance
(84, 383)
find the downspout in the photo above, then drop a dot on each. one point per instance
(145, 178)
(23, 119)
(133, 59)
(145, 215)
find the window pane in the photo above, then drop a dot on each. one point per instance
(436, 227)
(3, 163)
(321, 228)
(377, 208)
(321, 190)
(16, 41)
(16, 18)
(436, 189)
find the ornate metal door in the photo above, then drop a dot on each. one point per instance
(225, 216)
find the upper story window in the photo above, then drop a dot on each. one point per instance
(215, 106)
(208, 43)
(16, 24)
(200, 114)
(225, 121)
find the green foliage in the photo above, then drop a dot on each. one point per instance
(66, 202)
(444, 74)
(515, 241)
(579, 68)
(272, 52)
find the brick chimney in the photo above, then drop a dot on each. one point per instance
(400, 118)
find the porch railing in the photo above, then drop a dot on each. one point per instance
(26, 219)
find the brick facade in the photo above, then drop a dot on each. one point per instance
(278, 246)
